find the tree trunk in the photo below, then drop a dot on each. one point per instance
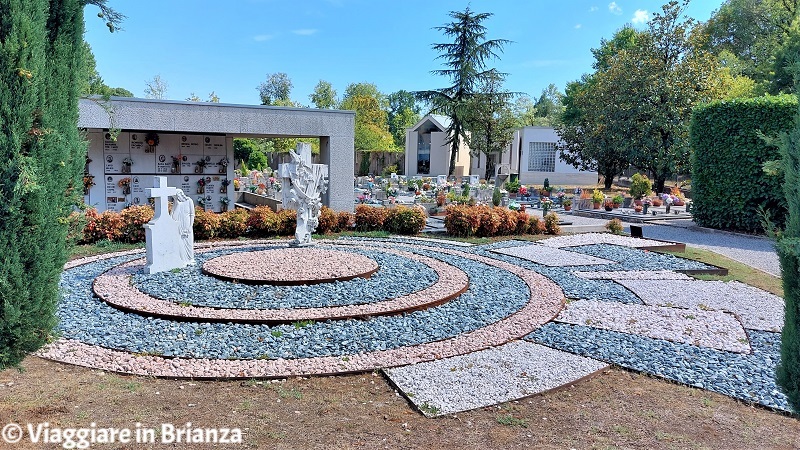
(659, 183)
(489, 168)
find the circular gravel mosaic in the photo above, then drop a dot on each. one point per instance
(295, 266)
(426, 301)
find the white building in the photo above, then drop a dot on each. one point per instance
(428, 153)
(533, 155)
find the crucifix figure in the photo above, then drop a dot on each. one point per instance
(169, 238)
(302, 186)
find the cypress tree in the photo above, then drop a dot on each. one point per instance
(42, 154)
(788, 374)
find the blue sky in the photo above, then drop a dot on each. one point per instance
(231, 46)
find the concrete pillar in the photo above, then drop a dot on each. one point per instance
(337, 153)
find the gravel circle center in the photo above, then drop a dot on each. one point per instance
(298, 266)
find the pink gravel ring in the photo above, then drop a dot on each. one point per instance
(545, 302)
(299, 266)
(114, 288)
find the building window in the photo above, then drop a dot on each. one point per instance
(424, 158)
(542, 157)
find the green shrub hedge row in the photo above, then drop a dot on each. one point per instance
(126, 226)
(728, 182)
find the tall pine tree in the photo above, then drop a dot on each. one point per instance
(42, 154)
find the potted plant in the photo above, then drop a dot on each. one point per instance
(201, 164)
(224, 201)
(567, 204)
(617, 200)
(656, 202)
(201, 186)
(224, 186)
(513, 187)
(597, 198)
(608, 205)
(640, 187)
(223, 165)
(547, 205)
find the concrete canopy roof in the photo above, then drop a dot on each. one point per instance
(204, 117)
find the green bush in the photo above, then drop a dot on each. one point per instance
(133, 219)
(405, 220)
(641, 186)
(233, 224)
(728, 182)
(497, 197)
(369, 218)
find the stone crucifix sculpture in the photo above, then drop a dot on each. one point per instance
(302, 186)
(169, 238)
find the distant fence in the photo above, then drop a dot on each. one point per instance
(378, 161)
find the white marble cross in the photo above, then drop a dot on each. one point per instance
(161, 193)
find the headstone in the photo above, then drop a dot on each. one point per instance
(303, 184)
(441, 180)
(474, 180)
(169, 238)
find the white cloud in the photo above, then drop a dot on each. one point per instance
(593, 9)
(578, 26)
(305, 31)
(614, 8)
(262, 37)
(640, 16)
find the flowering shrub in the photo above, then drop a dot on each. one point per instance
(489, 220)
(345, 221)
(287, 222)
(461, 221)
(327, 221)
(614, 226)
(404, 220)
(507, 221)
(233, 224)
(551, 224)
(262, 222)
(206, 224)
(133, 220)
(107, 225)
(369, 218)
(523, 223)
(536, 226)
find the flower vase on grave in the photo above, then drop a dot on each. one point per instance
(198, 169)
(126, 190)
(126, 168)
(222, 169)
(224, 207)
(668, 205)
(223, 189)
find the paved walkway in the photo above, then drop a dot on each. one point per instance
(757, 252)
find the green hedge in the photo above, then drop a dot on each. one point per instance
(728, 183)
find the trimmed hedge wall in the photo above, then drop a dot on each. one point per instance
(728, 182)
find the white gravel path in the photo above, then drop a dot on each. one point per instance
(756, 309)
(757, 252)
(574, 240)
(633, 275)
(713, 329)
(553, 257)
(488, 377)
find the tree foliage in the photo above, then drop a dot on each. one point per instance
(489, 121)
(276, 90)
(156, 88)
(42, 68)
(93, 84)
(641, 97)
(403, 113)
(465, 58)
(324, 95)
(371, 127)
